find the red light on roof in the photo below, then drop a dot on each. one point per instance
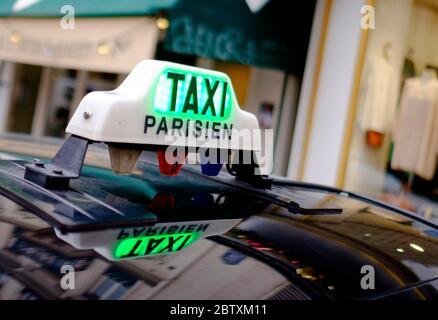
(167, 168)
(162, 200)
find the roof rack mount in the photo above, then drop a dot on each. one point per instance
(66, 165)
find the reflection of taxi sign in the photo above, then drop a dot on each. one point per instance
(138, 242)
(154, 245)
(159, 98)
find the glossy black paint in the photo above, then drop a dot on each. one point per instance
(275, 253)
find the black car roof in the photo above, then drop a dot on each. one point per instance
(318, 251)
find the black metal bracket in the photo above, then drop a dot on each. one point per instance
(69, 159)
(295, 208)
(247, 172)
(66, 165)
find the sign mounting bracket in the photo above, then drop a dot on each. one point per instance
(66, 165)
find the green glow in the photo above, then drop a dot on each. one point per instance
(153, 245)
(207, 98)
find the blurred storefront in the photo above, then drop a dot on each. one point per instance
(347, 85)
(372, 124)
(46, 68)
(52, 54)
(261, 45)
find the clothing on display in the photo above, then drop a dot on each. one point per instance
(379, 96)
(374, 139)
(416, 128)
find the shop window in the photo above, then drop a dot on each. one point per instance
(394, 151)
(100, 81)
(166, 55)
(66, 90)
(61, 93)
(239, 75)
(24, 97)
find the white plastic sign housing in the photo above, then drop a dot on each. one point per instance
(160, 100)
(140, 242)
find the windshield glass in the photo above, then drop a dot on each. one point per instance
(319, 256)
(32, 259)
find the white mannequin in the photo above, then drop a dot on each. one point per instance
(379, 93)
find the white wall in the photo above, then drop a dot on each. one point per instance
(6, 82)
(366, 168)
(265, 86)
(392, 25)
(333, 96)
(286, 124)
(306, 92)
(423, 36)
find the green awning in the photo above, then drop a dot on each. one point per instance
(83, 8)
(273, 37)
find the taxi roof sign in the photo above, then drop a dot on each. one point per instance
(160, 105)
(159, 99)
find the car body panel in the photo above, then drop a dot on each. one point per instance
(274, 253)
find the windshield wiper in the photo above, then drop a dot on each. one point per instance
(353, 195)
(266, 194)
(294, 207)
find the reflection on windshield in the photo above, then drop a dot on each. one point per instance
(322, 254)
(31, 259)
(405, 249)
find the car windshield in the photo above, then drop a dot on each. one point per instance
(272, 253)
(31, 260)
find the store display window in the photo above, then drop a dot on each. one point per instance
(394, 148)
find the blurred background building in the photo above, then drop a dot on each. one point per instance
(331, 77)
(367, 115)
(47, 69)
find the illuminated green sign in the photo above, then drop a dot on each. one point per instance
(192, 95)
(153, 245)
